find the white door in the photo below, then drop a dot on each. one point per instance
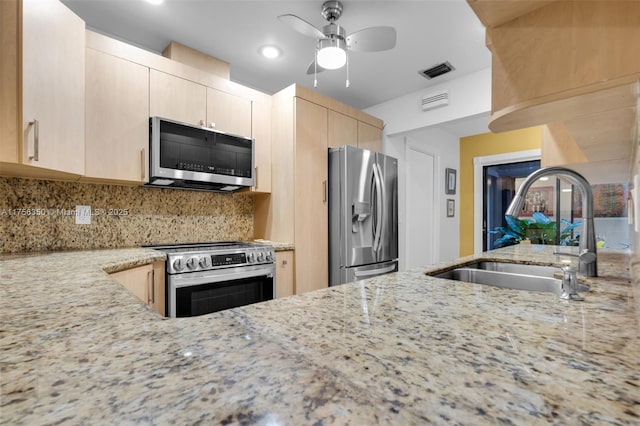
(421, 208)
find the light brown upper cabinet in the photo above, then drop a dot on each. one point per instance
(343, 130)
(182, 100)
(261, 133)
(177, 99)
(574, 67)
(117, 119)
(369, 137)
(174, 91)
(228, 113)
(42, 127)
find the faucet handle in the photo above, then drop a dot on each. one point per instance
(587, 256)
(570, 282)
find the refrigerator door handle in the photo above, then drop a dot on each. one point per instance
(383, 208)
(370, 272)
(378, 204)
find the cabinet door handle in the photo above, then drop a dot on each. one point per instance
(36, 141)
(143, 173)
(324, 191)
(150, 288)
(153, 286)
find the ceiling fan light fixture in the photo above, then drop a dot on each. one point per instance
(331, 54)
(333, 42)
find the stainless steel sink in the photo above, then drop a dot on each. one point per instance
(509, 275)
(516, 268)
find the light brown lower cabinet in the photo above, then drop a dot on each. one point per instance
(284, 273)
(146, 282)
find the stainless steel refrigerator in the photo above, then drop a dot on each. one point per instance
(363, 214)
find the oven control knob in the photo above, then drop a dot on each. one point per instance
(192, 263)
(205, 262)
(260, 256)
(178, 264)
(269, 256)
(250, 257)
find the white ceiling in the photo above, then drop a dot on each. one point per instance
(428, 32)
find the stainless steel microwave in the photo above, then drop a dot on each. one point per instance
(184, 156)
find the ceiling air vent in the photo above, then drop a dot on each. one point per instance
(435, 100)
(437, 70)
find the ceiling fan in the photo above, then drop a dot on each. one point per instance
(333, 44)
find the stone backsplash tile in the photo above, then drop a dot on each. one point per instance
(37, 215)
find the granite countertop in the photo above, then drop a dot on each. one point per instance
(404, 348)
(277, 246)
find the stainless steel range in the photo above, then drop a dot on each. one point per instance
(208, 277)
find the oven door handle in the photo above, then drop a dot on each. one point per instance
(220, 275)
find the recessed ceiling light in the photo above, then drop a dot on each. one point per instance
(156, 2)
(270, 52)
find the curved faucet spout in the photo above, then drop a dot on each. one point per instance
(588, 264)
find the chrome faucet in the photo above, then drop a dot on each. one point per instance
(588, 257)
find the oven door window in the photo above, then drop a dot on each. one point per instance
(206, 298)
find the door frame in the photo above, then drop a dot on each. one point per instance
(478, 191)
(435, 241)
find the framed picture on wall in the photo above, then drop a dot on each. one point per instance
(609, 200)
(450, 181)
(451, 207)
(539, 199)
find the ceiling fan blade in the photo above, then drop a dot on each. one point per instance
(313, 68)
(301, 26)
(374, 39)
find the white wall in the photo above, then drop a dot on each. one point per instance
(615, 231)
(445, 148)
(437, 132)
(469, 95)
